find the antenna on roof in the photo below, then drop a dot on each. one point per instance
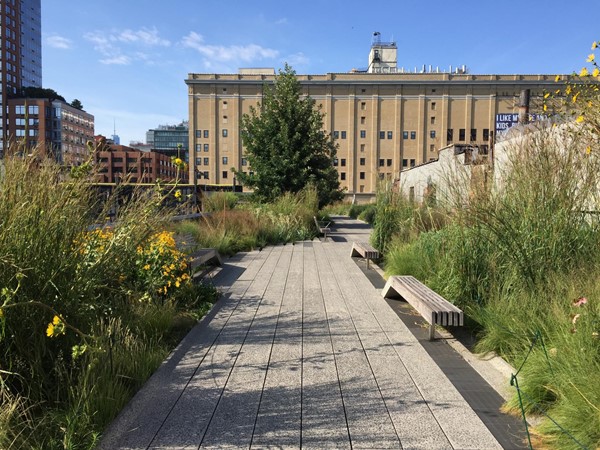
(376, 38)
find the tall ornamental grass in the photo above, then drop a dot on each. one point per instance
(86, 311)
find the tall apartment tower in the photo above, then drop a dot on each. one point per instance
(21, 58)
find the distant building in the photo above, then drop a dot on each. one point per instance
(171, 140)
(116, 139)
(53, 125)
(21, 61)
(383, 118)
(119, 163)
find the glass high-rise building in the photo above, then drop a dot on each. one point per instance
(21, 47)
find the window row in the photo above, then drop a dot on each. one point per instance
(462, 135)
(205, 133)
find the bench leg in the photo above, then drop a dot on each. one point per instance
(431, 332)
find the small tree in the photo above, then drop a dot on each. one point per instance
(77, 104)
(286, 146)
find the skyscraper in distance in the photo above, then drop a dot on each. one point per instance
(21, 46)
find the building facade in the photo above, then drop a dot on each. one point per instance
(119, 163)
(171, 140)
(21, 59)
(53, 125)
(383, 121)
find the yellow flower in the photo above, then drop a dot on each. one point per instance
(56, 320)
(178, 161)
(547, 94)
(177, 194)
(146, 267)
(594, 45)
(557, 79)
(579, 119)
(177, 284)
(575, 97)
(50, 330)
(568, 90)
(588, 149)
(591, 57)
(545, 107)
(557, 91)
(584, 72)
(596, 72)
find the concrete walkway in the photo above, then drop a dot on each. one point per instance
(301, 351)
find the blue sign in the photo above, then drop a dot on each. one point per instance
(506, 121)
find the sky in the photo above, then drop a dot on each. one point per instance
(127, 60)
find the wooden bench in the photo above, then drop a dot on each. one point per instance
(323, 229)
(364, 250)
(202, 258)
(433, 307)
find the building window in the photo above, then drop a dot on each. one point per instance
(205, 147)
(433, 106)
(432, 148)
(335, 162)
(405, 135)
(198, 134)
(205, 134)
(389, 162)
(412, 163)
(206, 161)
(390, 134)
(19, 109)
(362, 148)
(362, 161)
(225, 160)
(432, 120)
(381, 162)
(198, 148)
(244, 162)
(33, 109)
(343, 135)
(363, 134)
(473, 134)
(450, 135)
(224, 132)
(343, 162)
(198, 161)
(205, 175)
(224, 105)
(413, 134)
(382, 135)
(404, 163)
(363, 105)
(224, 174)
(486, 134)
(342, 175)
(363, 120)
(461, 134)
(225, 120)
(432, 134)
(336, 134)
(361, 175)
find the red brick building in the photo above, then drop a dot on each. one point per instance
(119, 163)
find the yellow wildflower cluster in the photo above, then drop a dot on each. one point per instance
(580, 97)
(94, 243)
(161, 265)
(56, 327)
(178, 162)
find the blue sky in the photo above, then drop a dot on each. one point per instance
(127, 60)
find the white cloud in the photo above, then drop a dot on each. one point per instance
(60, 42)
(121, 47)
(143, 36)
(297, 60)
(239, 53)
(119, 60)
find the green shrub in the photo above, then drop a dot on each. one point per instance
(219, 201)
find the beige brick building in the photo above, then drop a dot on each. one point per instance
(383, 121)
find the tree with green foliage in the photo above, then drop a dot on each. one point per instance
(37, 92)
(77, 104)
(286, 146)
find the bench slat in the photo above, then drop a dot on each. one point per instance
(433, 307)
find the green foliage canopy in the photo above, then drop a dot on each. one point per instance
(286, 146)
